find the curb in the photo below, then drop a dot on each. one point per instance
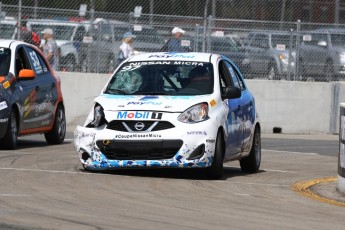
(303, 188)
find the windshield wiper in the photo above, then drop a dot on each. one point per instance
(115, 91)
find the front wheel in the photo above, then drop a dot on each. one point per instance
(251, 163)
(57, 134)
(11, 136)
(215, 171)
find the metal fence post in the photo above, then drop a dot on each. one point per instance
(296, 75)
(290, 55)
(19, 19)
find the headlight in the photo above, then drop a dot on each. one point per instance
(98, 117)
(196, 113)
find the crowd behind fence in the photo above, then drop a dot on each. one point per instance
(261, 49)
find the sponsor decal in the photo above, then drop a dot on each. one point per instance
(197, 133)
(210, 141)
(213, 103)
(138, 115)
(30, 100)
(3, 105)
(171, 55)
(144, 103)
(6, 84)
(3, 120)
(40, 108)
(135, 135)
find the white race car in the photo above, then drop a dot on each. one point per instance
(177, 110)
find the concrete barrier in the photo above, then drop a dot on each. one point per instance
(341, 158)
(296, 107)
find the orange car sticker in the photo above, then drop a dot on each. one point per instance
(213, 103)
(6, 84)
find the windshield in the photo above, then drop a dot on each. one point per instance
(282, 42)
(61, 32)
(5, 61)
(338, 39)
(7, 31)
(162, 78)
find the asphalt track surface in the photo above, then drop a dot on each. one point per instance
(44, 187)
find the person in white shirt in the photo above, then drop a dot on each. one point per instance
(126, 48)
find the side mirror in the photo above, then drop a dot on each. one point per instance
(231, 92)
(26, 74)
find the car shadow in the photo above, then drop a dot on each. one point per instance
(27, 144)
(186, 174)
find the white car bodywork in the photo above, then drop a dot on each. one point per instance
(192, 144)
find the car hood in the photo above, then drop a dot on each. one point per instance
(149, 103)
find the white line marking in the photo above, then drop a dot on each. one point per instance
(279, 151)
(274, 170)
(241, 194)
(42, 170)
(13, 195)
(262, 184)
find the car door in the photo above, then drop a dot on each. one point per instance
(258, 53)
(26, 92)
(233, 122)
(46, 88)
(313, 52)
(246, 107)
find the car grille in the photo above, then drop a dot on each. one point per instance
(139, 150)
(120, 125)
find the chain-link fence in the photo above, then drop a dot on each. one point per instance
(278, 39)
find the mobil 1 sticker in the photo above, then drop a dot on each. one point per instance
(141, 115)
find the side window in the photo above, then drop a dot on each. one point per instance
(37, 62)
(22, 61)
(260, 41)
(236, 79)
(224, 76)
(79, 35)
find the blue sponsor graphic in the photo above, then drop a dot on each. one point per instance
(147, 98)
(172, 55)
(138, 115)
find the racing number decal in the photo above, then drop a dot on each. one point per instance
(36, 62)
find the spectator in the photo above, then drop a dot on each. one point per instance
(29, 36)
(50, 48)
(126, 48)
(174, 43)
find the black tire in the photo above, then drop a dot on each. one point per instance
(57, 134)
(11, 137)
(215, 171)
(251, 163)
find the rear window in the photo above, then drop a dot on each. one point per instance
(5, 61)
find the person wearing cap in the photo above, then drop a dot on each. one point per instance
(174, 43)
(126, 48)
(50, 48)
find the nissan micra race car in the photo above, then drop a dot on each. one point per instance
(30, 95)
(172, 110)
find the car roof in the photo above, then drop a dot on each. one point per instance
(166, 56)
(51, 22)
(6, 43)
(330, 30)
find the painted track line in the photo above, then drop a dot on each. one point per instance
(303, 188)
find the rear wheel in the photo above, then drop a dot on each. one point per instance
(251, 163)
(57, 134)
(11, 136)
(215, 171)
